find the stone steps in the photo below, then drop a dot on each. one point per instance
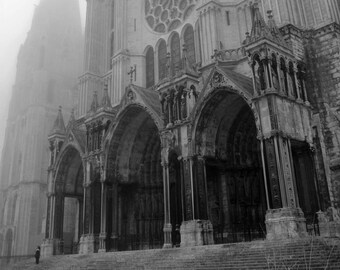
(309, 253)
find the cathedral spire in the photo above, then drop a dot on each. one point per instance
(259, 29)
(59, 125)
(72, 119)
(262, 30)
(275, 32)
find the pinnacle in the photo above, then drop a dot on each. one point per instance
(59, 125)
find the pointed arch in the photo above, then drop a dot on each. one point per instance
(69, 171)
(133, 166)
(188, 38)
(175, 52)
(162, 60)
(198, 47)
(67, 223)
(225, 137)
(149, 67)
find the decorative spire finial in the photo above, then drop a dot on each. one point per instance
(94, 104)
(106, 102)
(59, 125)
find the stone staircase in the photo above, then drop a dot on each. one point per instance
(309, 253)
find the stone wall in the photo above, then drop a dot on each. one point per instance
(323, 83)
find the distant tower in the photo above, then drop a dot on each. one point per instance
(48, 65)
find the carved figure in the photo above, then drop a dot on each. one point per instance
(283, 81)
(275, 79)
(261, 75)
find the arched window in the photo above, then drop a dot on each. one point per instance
(162, 60)
(275, 76)
(301, 83)
(198, 41)
(189, 42)
(283, 76)
(149, 67)
(291, 80)
(175, 53)
(259, 73)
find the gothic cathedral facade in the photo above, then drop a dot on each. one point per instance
(199, 122)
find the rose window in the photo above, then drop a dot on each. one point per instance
(166, 15)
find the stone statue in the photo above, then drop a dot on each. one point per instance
(283, 81)
(261, 75)
(275, 79)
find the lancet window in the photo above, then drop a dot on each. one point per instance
(189, 42)
(274, 73)
(283, 76)
(301, 82)
(162, 61)
(94, 136)
(175, 53)
(291, 80)
(259, 73)
(149, 67)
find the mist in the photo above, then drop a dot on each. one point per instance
(15, 22)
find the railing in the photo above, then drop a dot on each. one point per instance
(242, 234)
(227, 55)
(136, 242)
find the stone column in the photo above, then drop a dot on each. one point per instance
(196, 229)
(87, 239)
(285, 219)
(58, 224)
(114, 235)
(167, 229)
(102, 235)
(47, 247)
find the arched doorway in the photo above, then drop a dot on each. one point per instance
(136, 214)
(69, 201)
(306, 184)
(226, 139)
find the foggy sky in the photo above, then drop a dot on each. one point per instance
(15, 22)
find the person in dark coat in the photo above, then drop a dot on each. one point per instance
(37, 255)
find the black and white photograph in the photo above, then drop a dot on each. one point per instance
(169, 134)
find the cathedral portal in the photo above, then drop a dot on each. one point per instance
(68, 202)
(137, 216)
(226, 138)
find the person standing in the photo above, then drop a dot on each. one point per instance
(37, 255)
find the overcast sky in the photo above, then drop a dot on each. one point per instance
(15, 22)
